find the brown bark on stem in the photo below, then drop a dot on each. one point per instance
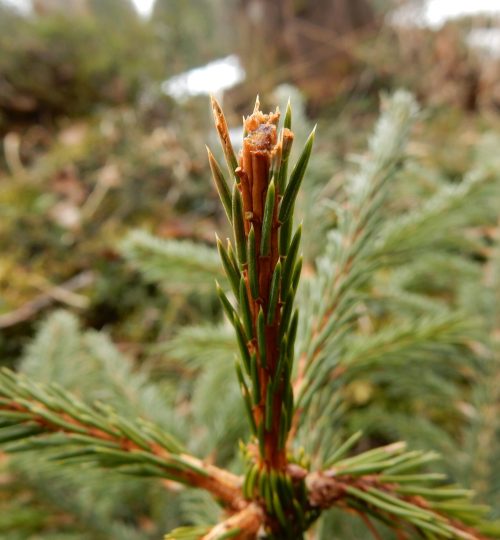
(259, 149)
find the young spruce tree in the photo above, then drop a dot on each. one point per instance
(285, 487)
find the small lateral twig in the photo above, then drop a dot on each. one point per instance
(222, 484)
(245, 524)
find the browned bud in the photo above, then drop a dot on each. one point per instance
(259, 147)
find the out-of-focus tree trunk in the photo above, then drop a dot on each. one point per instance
(308, 42)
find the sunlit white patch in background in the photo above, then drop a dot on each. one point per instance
(236, 136)
(213, 78)
(486, 39)
(144, 7)
(24, 6)
(435, 13)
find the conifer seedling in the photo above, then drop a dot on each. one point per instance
(282, 491)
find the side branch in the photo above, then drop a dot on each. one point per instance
(241, 526)
(349, 265)
(32, 416)
(405, 508)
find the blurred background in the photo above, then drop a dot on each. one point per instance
(104, 114)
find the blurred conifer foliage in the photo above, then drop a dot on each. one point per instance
(389, 341)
